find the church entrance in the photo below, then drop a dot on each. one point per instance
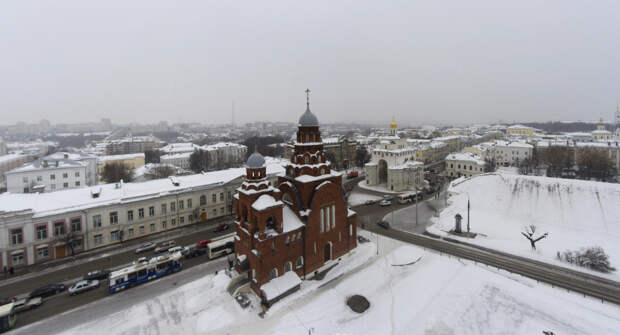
(328, 251)
(382, 173)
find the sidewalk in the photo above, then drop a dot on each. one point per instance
(37, 270)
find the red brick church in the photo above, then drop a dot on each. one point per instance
(287, 233)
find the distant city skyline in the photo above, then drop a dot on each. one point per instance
(424, 63)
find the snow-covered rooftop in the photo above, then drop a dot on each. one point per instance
(290, 221)
(80, 198)
(465, 156)
(265, 201)
(280, 285)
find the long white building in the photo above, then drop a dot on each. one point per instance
(33, 227)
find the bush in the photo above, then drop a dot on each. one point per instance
(594, 258)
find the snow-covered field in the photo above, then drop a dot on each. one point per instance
(575, 213)
(357, 198)
(436, 295)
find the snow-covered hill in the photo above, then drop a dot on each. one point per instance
(575, 213)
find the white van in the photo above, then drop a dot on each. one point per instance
(404, 198)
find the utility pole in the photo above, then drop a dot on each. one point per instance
(468, 213)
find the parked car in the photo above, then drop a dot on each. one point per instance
(202, 244)
(24, 304)
(222, 227)
(384, 203)
(164, 246)
(370, 202)
(97, 275)
(384, 224)
(243, 300)
(388, 197)
(194, 252)
(83, 286)
(175, 249)
(47, 290)
(146, 247)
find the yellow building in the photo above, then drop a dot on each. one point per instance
(133, 161)
(520, 130)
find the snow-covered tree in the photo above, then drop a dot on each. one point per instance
(529, 234)
(594, 258)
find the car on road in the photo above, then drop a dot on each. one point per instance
(202, 244)
(384, 224)
(97, 275)
(352, 174)
(193, 252)
(83, 286)
(243, 300)
(25, 303)
(146, 247)
(222, 227)
(384, 203)
(164, 246)
(176, 249)
(47, 291)
(370, 202)
(388, 197)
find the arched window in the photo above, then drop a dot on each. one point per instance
(288, 266)
(273, 273)
(271, 223)
(203, 200)
(327, 217)
(322, 222)
(333, 216)
(300, 262)
(306, 159)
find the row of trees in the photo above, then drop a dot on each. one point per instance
(559, 161)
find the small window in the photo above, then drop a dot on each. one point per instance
(151, 211)
(163, 209)
(141, 229)
(189, 203)
(300, 262)
(273, 273)
(113, 217)
(152, 227)
(98, 239)
(288, 266)
(130, 215)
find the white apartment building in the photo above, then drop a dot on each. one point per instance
(179, 148)
(10, 162)
(33, 227)
(92, 169)
(47, 176)
(464, 164)
(511, 153)
(180, 160)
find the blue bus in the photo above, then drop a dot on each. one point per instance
(143, 271)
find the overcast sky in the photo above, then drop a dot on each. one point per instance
(421, 61)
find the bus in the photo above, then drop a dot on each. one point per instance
(221, 247)
(7, 317)
(143, 271)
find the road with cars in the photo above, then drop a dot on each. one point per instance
(62, 302)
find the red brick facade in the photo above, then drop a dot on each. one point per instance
(298, 226)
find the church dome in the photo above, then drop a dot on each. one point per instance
(255, 161)
(393, 124)
(308, 119)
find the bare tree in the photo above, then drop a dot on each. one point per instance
(70, 239)
(529, 234)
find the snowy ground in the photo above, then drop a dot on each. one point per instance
(435, 295)
(575, 213)
(357, 198)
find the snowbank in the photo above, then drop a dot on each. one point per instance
(434, 294)
(357, 198)
(575, 213)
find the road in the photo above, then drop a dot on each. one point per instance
(576, 281)
(63, 302)
(105, 304)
